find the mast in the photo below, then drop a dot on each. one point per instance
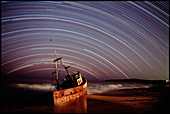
(55, 64)
(61, 63)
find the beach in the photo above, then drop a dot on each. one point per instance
(114, 104)
(143, 100)
(123, 103)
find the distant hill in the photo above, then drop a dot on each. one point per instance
(136, 80)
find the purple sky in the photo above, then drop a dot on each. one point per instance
(101, 39)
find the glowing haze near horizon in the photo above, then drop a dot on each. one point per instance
(101, 39)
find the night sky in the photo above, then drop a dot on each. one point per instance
(101, 39)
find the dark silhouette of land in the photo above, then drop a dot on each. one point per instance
(138, 81)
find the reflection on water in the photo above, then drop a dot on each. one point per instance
(78, 105)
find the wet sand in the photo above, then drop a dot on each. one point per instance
(148, 100)
(122, 104)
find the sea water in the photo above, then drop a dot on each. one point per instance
(101, 87)
(93, 87)
(18, 90)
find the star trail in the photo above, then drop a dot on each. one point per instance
(101, 39)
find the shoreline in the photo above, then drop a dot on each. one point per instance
(144, 100)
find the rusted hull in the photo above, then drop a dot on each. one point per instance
(69, 94)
